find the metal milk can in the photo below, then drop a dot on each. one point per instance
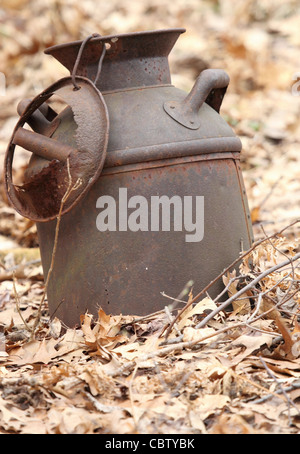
(145, 178)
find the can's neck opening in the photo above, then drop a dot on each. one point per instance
(131, 60)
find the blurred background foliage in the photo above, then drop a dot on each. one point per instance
(255, 41)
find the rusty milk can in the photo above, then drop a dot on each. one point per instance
(157, 193)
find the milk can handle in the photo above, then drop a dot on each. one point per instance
(81, 49)
(210, 87)
(35, 141)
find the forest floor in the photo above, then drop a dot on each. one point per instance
(239, 372)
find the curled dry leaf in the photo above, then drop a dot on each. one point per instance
(206, 405)
(290, 349)
(55, 328)
(101, 335)
(196, 335)
(241, 305)
(252, 342)
(206, 305)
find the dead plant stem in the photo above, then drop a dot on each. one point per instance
(237, 260)
(179, 346)
(17, 298)
(246, 288)
(69, 190)
(289, 401)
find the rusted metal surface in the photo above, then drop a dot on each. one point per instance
(131, 60)
(152, 150)
(47, 179)
(169, 151)
(42, 145)
(124, 271)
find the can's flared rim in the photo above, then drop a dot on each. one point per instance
(106, 38)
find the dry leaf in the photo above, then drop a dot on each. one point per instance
(55, 328)
(73, 421)
(240, 305)
(252, 342)
(206, 304)
(196, 335)
(104, 335)
(207, 405)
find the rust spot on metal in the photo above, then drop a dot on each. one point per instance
(125, 59)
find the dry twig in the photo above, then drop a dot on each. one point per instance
(235, 262)
(69, 190)
(246, 288)
(289, 401)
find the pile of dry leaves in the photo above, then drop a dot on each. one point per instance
(202, 366)
(197, 369)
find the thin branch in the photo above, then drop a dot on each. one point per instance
(235, 262)
(170, 318)
(179, 346)
(17, 298)
(256, 309)
(289, 401)
(246, 288)
(135, 419)
(69, 190)
(270, 192)
(292, 387)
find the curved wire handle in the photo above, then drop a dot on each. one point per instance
(83, 44)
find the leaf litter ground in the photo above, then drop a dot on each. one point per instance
(119, 374)
(175, 371)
